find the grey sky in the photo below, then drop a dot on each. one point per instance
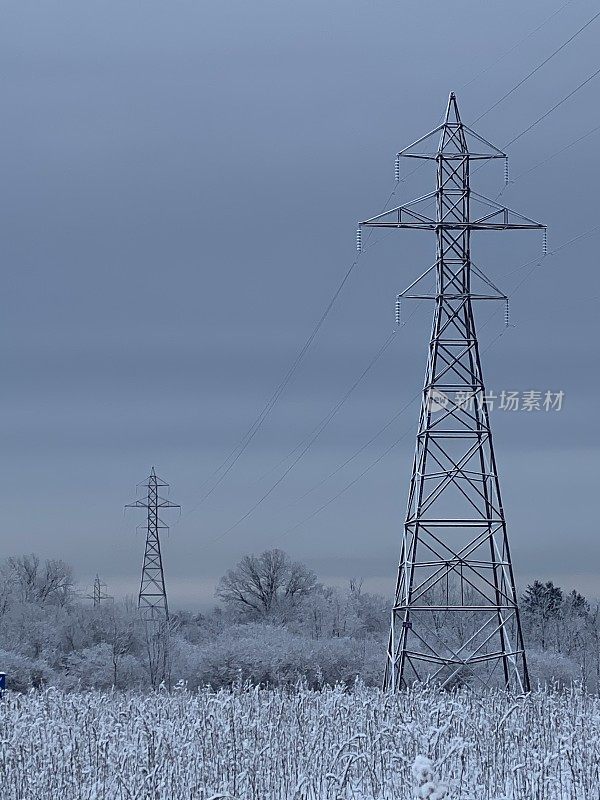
(180, 188)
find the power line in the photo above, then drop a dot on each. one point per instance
(554, 155)
(579, 237)
(311, 440)
(554, 107)
(539, 66)
(307, 443)
(361, 449)
(237, 451)
(546, 160)
(543, 116)
(517, 45)
(329, 416)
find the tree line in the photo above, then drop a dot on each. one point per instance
(274, 623)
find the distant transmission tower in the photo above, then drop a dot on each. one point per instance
(455, 617)
(152, 598)
(98, 592)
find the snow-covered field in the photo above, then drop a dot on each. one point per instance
(268, 745)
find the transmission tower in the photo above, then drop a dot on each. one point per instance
(152, 598)
(99, 592)
(455, 617)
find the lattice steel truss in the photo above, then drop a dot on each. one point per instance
(455, 617)
(99, 593)
(152, 598)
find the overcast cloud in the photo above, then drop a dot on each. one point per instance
(180, 185)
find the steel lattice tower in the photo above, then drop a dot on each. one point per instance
(152, 599)
(99, 592)
(455, 617)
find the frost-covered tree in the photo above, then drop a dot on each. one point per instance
(575, 605)
(544, 599)
(263, 585)
(31, 581)
(335, 611)
(542, 604)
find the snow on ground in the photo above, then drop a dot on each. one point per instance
(295, 744)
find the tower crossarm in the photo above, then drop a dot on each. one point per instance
(488, 216)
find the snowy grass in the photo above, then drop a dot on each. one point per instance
(299, 745)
